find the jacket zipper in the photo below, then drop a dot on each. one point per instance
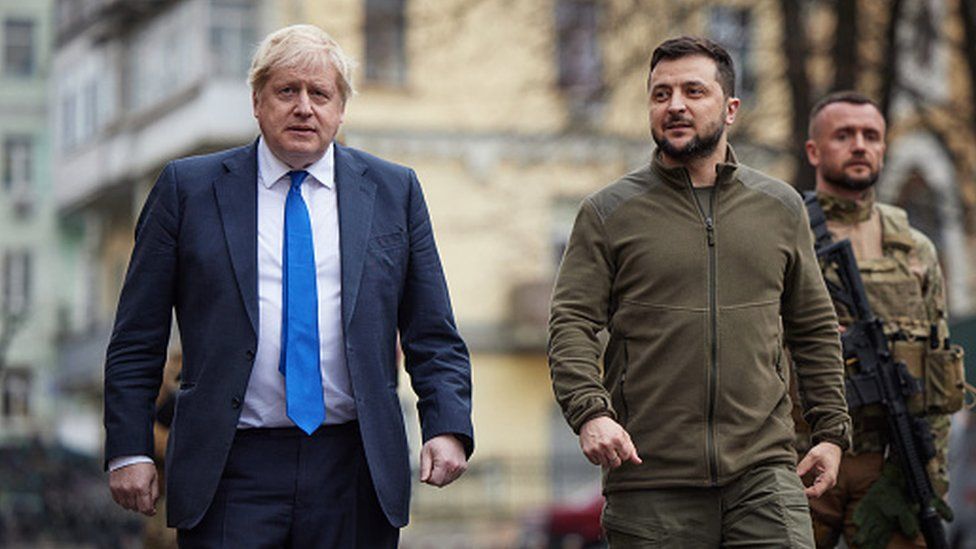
(713, 324)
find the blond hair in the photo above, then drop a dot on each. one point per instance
(300, 46)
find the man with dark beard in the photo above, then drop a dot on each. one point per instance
(699, 268)
(904, 285)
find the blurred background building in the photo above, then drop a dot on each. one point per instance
(511, 111)
(28, 239)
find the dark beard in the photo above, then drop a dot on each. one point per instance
(698, 147)
(849, 183)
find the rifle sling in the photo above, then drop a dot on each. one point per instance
(818, 220)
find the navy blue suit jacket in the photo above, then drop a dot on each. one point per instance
(196, 252)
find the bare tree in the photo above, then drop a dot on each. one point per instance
(795, 48)
(967, 12)
(845, 54)
(889, 69)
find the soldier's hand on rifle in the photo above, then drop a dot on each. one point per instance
(824, 461)
(606, 443)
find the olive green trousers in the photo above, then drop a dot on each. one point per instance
(766, 507)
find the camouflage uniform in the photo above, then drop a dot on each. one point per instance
(905, 288)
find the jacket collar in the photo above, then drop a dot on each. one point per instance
(678, 176)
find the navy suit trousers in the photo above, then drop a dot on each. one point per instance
(282, 488)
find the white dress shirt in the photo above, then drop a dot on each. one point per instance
(264, 401)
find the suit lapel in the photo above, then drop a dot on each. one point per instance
(237, 200)
(355, 195)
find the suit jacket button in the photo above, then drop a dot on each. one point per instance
(250, 354)
(235, 402)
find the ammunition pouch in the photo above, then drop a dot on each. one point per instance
(913, 354)
(944, 380)
(941, 374)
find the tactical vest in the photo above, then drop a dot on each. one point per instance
(895, 294)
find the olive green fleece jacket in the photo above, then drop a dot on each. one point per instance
(697, 308)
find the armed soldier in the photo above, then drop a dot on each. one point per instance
(903, 283)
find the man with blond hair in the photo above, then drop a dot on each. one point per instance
(293, 264)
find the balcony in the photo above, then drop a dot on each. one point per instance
(105, 18)
(208, 115)
(124, 104)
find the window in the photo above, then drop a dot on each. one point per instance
(89, 109)
(18, 47)
(732, 28)
(921, 202)
(15, 271)
(17, 152)
(385, 37)
(16, 393)
(163, 58)
(69, 121)
(580, 63)
(232, 36)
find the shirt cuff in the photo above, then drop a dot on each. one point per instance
(125, 461)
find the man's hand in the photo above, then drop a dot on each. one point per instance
(135, 487)
(442, 460)
(606, 443)
(823, 460)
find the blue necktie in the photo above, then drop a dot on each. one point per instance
(299, 361)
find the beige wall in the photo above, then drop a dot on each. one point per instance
(496, 233)
(471, 66)
(512, 405)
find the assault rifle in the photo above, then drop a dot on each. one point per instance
(881, 379)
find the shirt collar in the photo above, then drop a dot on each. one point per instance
(271, 168)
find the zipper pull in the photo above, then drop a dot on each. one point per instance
(710, 228)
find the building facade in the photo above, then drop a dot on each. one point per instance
(28, 311)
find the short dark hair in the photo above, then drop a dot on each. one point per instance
(684, 46)
(842, 96)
